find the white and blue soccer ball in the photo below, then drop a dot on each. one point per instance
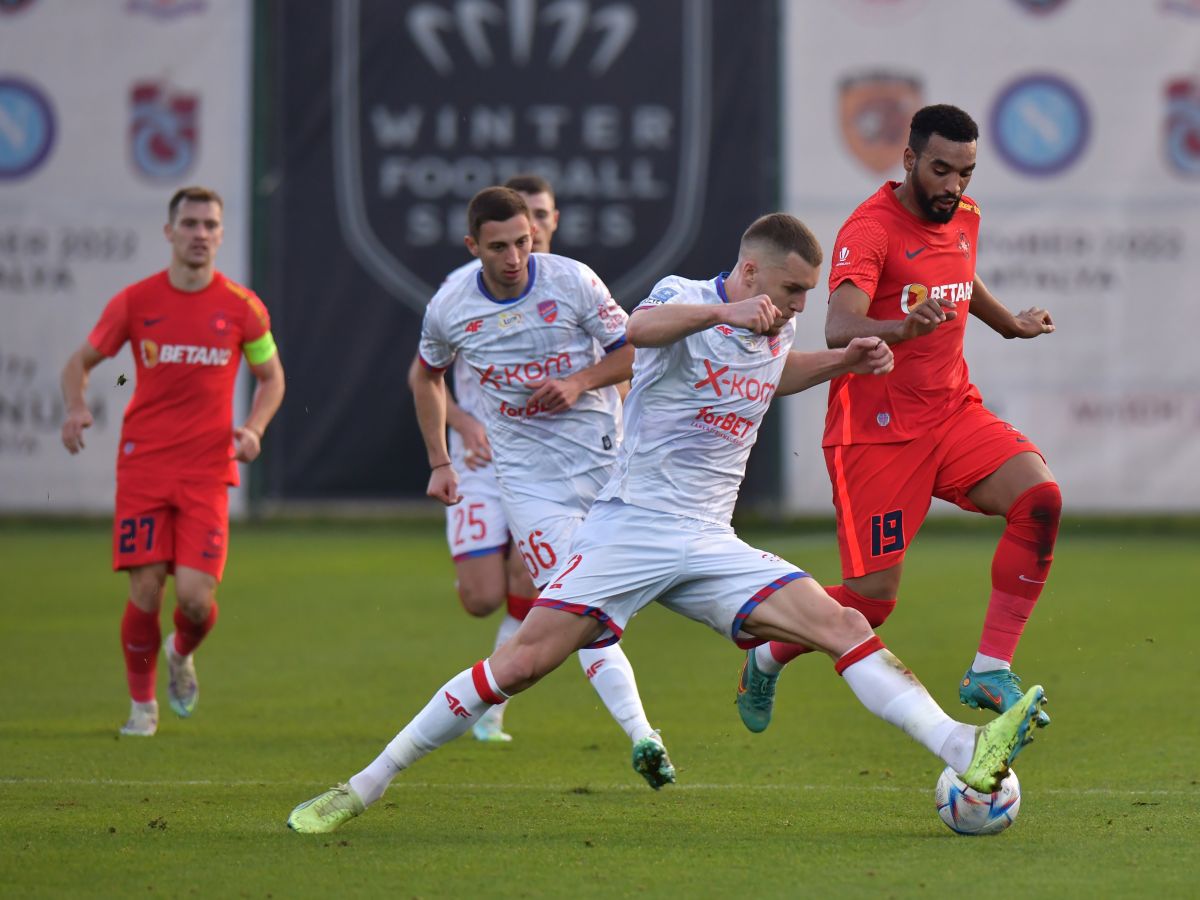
(968, 811)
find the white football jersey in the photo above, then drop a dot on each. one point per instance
(694, 410)
(553, 330)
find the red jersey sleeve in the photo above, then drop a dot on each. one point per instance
(859, 254)
(257, 321)
(112, 331)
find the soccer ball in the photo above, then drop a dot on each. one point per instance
(967, 811)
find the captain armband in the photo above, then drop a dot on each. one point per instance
(260, 350)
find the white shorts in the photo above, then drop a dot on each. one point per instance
(544, 517)
(476, 525)
(626, 557)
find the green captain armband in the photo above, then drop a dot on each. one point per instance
(259, 351)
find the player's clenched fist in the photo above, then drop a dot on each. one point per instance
(1033, 321)
(869, 356)
(926, 317)
(757, 314)
(443, 485)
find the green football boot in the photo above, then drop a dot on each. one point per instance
(997, 690)
(650, 760)
(326, 812)
(755, 695)
(999, 741)
(182, 688)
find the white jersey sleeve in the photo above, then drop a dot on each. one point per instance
(693, 413)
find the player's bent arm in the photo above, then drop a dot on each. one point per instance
(846, 318)
(74, 381)
(268, 396)
(999, 318)
(657, 326)
(429, 398)
(617, 366)
(862, 356)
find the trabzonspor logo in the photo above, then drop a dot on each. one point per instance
(164, 130)
(187, 354)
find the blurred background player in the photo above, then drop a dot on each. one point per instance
(711, 355)
(188, 327)
(543, 392)
(904, 271)
(488, 570)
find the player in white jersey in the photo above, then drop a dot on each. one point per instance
(543, 341)
(710, 358)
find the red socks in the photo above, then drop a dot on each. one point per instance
(519, 607)
(189, 634)
(876, 612)
(140, 639)
(1020, 568)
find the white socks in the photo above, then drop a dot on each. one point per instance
(611, 675)
(885, 687)
(508, 627)
(455, 707)
(766, 661)
(985, 663)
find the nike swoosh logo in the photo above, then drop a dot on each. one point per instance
(914, 253)
(993, 697)
(148, 322)
(1030, 580)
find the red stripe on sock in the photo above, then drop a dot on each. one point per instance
(480, 679)
(519, 607)
(858, 653)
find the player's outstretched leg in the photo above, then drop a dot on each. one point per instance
(490, 727)
(182, 688)
(756, 689)
(998, 690)
(998, 742)
(544, 640)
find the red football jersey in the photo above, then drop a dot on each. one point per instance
(186, 347)
(901, 261)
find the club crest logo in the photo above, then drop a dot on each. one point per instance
(548, 310)
(163, 131)
(1183, 126)
(876, 109)
(27, 128)
(12, 6)
(774, 344)
(964, 244)
(1041, 125)
(219, 323)
(883, 420)
(580, 92)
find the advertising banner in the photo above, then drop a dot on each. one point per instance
(1088, 180)
(95, 136)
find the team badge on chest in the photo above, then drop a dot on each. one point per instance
(548, 310)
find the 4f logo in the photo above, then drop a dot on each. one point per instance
(591, 670)
(456, 706)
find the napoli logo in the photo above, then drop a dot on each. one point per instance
(1041, 125)
(163, 131)
(609, 100)
(1183, 126)
(548, 310)
(876, 109)
(26, 128)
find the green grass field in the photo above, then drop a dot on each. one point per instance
(331, 637)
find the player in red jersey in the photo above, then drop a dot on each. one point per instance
(188, 327)
(904, 270)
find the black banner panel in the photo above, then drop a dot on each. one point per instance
(656, 124)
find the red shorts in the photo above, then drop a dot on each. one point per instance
(182, 523)
(882, 492)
